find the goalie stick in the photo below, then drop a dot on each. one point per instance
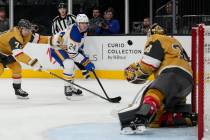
(112, 100)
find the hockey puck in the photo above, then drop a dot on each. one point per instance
(130, 42)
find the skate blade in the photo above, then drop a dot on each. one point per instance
(68, 97)
(140, 130)
(75, 97)
(129, 131)
(22, 98)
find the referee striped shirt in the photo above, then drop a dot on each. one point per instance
(60, 23)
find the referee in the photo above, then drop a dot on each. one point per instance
(63, 20)
(60, 23)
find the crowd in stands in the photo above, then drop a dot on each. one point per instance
(4, 21)
(104, 24)
(104, 20)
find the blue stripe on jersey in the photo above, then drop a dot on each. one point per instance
(62, 34)
(57, 58)
(67, 74)
(75, 34)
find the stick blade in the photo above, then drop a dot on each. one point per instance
(115, 100)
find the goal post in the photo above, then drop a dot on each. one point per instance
(201, 74)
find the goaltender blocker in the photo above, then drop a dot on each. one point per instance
(12, 43)
(163, 101)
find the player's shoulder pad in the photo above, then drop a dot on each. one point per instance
(154, 37)
(75, 35)
(16, 34)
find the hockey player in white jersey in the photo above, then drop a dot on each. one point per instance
(67, 45)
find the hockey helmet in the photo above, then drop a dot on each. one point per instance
(156, 29)
(82, 18)
(24, 23)
(62, 5)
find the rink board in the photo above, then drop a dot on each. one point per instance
(110, 55)
(105, 74)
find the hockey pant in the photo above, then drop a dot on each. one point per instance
(66, 62)
(13, 65)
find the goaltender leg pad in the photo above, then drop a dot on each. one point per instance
(174, 87)
(183, 108)
(128, 114)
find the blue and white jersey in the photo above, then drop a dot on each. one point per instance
(74, 41)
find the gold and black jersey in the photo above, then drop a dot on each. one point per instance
(12, 43)
(165, 53)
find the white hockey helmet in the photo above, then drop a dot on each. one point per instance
(82, 18)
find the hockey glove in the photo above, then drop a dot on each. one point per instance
(56, 40)
(134, 74)
(35, 65)
(88, 64)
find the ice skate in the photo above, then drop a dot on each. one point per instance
(72, 91)
(21, 94)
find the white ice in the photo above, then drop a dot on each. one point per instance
(47, 115)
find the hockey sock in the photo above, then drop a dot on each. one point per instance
(69, 77)
(16, 81)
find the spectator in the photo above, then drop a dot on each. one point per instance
(146, 25)
(111, 26)
(95, 21)
(4, 2)
(4, 22)
(63, 20)
(169, 8)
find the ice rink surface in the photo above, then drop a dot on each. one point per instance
(47, 115)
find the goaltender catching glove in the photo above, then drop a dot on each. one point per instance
(134, 74)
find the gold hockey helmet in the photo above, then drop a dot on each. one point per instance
(156, 29)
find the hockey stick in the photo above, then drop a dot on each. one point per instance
(51, 73)
(114, 100)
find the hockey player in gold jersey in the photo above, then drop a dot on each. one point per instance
(12, 43)
(167, 60)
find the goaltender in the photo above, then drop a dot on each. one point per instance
(163, 101)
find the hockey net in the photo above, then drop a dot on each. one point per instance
(201, 74)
